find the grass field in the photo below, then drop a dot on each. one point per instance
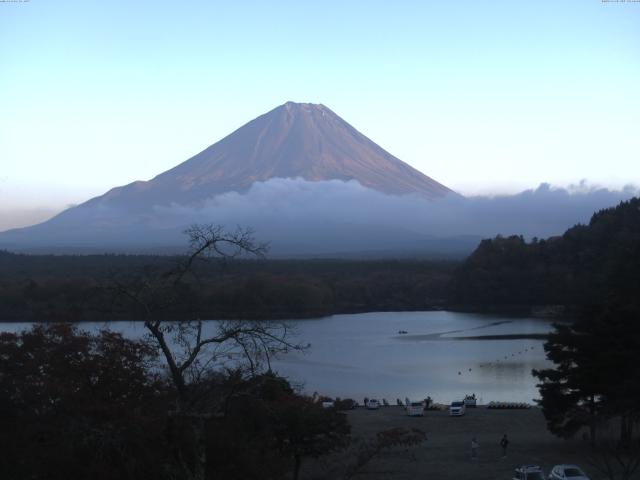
(447, 454)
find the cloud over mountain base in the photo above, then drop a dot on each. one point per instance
(300, 217)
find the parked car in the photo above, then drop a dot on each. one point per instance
(327, 403)
(373, 404)
(528, 472)
(567, 472)
(415, 409)
(457, 409)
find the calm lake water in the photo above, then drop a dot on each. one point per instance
(443, 354)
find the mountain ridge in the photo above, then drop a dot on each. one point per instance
(294, 140)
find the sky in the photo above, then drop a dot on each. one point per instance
(485, 97)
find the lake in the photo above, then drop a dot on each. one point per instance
(444, 355)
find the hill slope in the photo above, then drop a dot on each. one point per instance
(588, 264)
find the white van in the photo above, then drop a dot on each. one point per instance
(373, 404)
(415, 409)
(457, 409)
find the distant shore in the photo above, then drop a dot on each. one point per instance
(512, 312)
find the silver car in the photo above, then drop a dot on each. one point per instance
(528, 472)
(567, 472)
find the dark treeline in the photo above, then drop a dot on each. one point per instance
(595, 379)
(593, 270)
(580, 268)
(104, 410)
(574, 270)
(80, 405)
(77, 288)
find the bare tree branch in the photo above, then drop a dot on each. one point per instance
(187, 348)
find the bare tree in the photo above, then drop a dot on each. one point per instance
(192, 347)
(615, 459)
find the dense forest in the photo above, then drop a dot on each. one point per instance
(76, 288)
(580, 268)
(585, 266)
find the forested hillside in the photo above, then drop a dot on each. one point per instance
(77, 288)
(587, 265)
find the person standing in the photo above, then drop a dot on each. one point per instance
(504, 443)
(474, 448)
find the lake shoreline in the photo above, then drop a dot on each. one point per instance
(552, 312)
(365, 355)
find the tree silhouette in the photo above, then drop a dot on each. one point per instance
(596, 375)
(190, 348)
(70, 405)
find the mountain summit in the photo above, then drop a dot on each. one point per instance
(301, 141)
(294, 140)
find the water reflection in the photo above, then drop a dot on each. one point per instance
(443, 354)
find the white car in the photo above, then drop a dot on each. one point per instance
(567, 472)
(457, 409)
(528, 472)
(415, 409)
(373, 404)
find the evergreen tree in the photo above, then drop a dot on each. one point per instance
(596, 375)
